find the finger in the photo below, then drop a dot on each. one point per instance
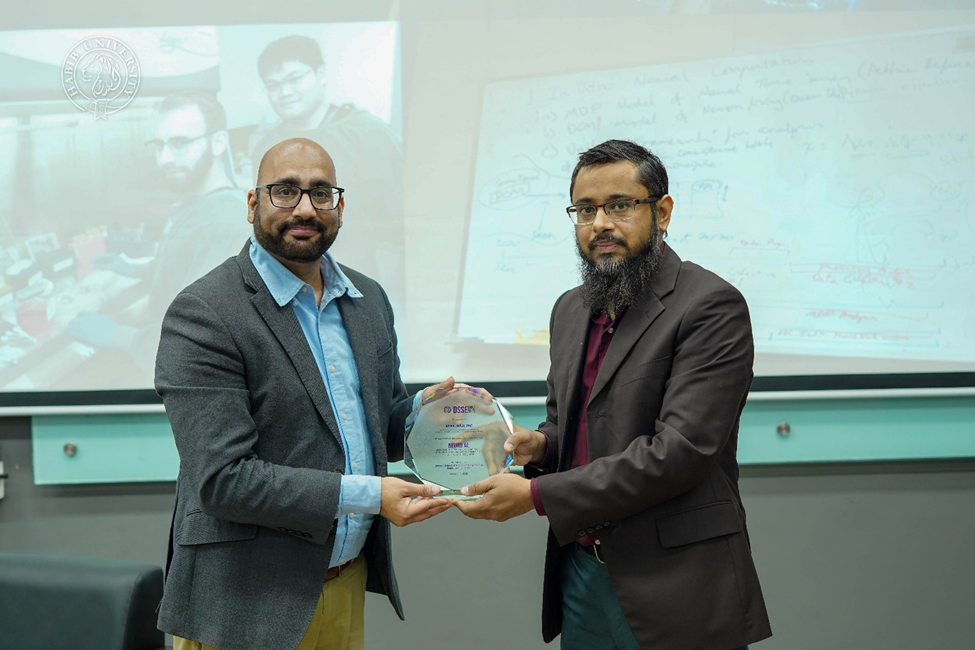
(471, 509)
(483, 393)
(484, 403)
(463, 436)
(516, 439)
(421, 490)
(431, 393)
(480, 487)
(410, 489)
(420, 510)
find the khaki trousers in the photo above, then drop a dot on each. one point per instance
(338, 623)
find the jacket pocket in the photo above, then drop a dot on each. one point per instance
(199, 528)
(698, 524)
(649, 369)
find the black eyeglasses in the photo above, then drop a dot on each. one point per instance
(286, 195)
(584, 214)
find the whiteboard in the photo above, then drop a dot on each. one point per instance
(832, 185)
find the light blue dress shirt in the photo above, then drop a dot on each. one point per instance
(328, 340)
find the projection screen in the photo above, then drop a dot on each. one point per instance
(820, 158)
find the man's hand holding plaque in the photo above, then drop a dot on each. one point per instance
(457, 438)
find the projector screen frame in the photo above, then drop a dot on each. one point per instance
(528, 393)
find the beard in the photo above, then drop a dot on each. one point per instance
(617, 283)
(186, 179)
(302, 251)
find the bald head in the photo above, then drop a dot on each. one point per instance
(299, 235)
(295, 152)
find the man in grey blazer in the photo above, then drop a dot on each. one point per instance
(280, 376)
(635, 465)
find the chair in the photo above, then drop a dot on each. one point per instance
(61, 603)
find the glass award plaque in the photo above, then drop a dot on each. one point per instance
(457, 440)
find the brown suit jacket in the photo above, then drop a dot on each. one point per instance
(661, 487)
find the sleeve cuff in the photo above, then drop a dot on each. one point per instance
(537, 498)
(549, 460)
(360, 494)
(416, 405)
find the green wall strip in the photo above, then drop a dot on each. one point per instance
(111, 448)
(117, 448)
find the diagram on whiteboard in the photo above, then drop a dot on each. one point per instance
(807, 178)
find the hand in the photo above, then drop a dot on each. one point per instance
(526, 445)
(492, 436)
(449, 386)
(493, 447)
(505, 496)
(437, 391)
(399, 502)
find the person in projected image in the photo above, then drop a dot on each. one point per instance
(190, 144)
(635, 465)
(280, 375)
(366, 148)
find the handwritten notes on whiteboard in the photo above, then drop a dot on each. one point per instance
(834, 186)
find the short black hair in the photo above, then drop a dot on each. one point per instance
(290, 48)
(213, 114)
(650, 170)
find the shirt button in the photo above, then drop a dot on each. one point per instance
(355, 465)
(345, 416)
(610, 330)
(331, 368)
(294, 302)
(352, 515)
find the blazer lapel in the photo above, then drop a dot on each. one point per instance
(576, 326)
(359, 329)
(283, 324)
(639, 316)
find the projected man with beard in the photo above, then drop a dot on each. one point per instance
(635, 464)
(190, 143)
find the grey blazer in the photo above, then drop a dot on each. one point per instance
(261, 459)
(661, 487)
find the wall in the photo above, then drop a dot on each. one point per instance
(851, 555)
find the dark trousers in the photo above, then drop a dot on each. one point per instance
(591, 615)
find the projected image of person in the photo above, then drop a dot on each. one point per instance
(635, 465)
(190, 145)
(280, 375)
(366, 148)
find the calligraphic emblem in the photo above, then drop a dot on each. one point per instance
(100, 75)
(457, 440)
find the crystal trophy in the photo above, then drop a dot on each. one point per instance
(457, 440)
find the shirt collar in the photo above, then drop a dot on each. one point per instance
(284, 285)
(603, 320)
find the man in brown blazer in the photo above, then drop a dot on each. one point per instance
(635, 465)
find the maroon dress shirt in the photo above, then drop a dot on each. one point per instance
(601, 330)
